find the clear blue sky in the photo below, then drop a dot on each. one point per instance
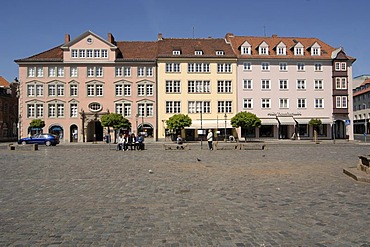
(29, 27)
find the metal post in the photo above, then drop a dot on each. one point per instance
(334, 130)
(137, 127)
(225, 116)
(201, 127)
(365, 129)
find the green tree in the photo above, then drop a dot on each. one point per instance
(245, 120)
(178, 122)
(37, 124)
(114, 120)
(316, 123)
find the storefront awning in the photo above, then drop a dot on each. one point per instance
(307, 120)
(269, 121)
(210, 124)
(286, 121)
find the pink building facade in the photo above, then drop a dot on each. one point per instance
(71, 86)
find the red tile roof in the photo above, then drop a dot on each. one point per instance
(273, 41)
(209, 46)
(4, 83)
(137, 50)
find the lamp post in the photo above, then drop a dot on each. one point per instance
(334, 131)
(225, 116)
(201, 128)
(137, 127)
(365, 132)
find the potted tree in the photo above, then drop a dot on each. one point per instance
(315, 123)
(177, 122)
(246, 120)
(116, 121)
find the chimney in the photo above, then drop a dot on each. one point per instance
(67, 38)
(274, 35)
(160, 36)
(111, 38)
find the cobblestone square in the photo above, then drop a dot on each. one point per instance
(292, 194)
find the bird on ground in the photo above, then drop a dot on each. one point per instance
(199, 160)
(150, 171)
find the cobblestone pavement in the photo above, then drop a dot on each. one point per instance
(90, 195)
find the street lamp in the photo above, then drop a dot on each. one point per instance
(365, 133)
(225, 116)
(201, 128)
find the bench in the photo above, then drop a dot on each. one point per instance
(175, 146)
(252, 146)
(225, 146)
(27, 147)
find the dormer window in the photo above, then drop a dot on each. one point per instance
(176, 52)
(315, 49)
(263, 49)
(298, 49)
(281, 49)
(198, 52)
(246, 50)
(220, 53)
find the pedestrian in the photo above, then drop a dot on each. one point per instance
(210, 139)
(120, 142)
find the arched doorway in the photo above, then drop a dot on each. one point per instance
(146, 129)
(340, 129)
(57, 130)
(73, 133)
(94, 131)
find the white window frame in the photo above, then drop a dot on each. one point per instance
(247, 84)
(224, 86)
(318, 84)
(265, 84)
(173, 107)
(318, 67)
(248, 103)
(283, 103)
(283, 84)
(173, 86)
(301, 84)
(300, 67)
(301, 103)
(265, 66)
(265, 103)
(319, 103)
(283, 66)
(247, 66)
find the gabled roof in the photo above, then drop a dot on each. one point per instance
(137, 50)
(273, 41)
(84, 35)
(54, 54)
(209, 46)
(365, 90)
(4, 83)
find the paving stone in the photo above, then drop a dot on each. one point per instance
(84, 194)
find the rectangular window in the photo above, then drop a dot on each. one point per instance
(265, 84)
(51, 90)
(149, 110)
(224, 106)
(99, 71)
(224, 87)
(104, 53)
(319, 103)
(301, 84)
(89, 53)
(247, 66)
(337, 66)
(118, 71)
(90, 90)
(127, 110)
(30, 90)
(97, 53)
(73, 110)
(82, 53)
(248, 103)
(119, 108)
(52, 72)
(149, 71)
(283, 84)
(318, 67)
(73, 71)
(149, 90)
(300, 66)
(127, 71)
(199, 86)
(172, 67)
(281, 50)
(40, 72)
(51, 110)
(141, 71)
(283, 66)
(318, 85)
(301, 103)
(31, 71)
(141, 109)
(73, 90)
(283, 103)
(343, 66)
(173, 106)
(99, 90)
(247, 84)
(265, 66)
(118, 89)
(141, 90)
(30, 111)
(265, 103)
(60, 71)
(39, 110)
(172, 86)
(127, 90)
(199, 106)
(341, 101)
(198, 67)
(60, 90)
(224, 68)
(39, 90)
(60, 110)
(90, 71)
(74, 53)
(341, 83)
(245, 50)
